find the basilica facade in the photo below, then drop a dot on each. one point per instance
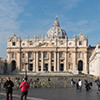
(53, 53)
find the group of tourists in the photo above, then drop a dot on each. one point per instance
(24, 86)
(79, 84)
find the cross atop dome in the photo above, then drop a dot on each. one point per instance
(56, 23)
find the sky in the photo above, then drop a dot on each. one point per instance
(35, 17)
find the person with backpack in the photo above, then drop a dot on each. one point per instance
(24, 86)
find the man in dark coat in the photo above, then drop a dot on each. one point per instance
(8, 85)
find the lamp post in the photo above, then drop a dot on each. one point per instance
(26, 76)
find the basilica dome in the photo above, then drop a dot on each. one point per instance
(56, 30)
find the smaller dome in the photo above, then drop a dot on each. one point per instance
(56, 31)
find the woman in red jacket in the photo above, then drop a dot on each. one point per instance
(24, 86)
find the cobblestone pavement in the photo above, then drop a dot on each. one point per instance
(68, 93)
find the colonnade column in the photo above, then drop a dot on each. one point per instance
(34, 63)
(65, 62)
(42, 61)
(75, 63)
(27, 61)
(55, 61)
(19, 61)
(58, 61)
(37, 61)
(49, 69)
(85, 65)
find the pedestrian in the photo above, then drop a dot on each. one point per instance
(73, 82)
(80, 84)
(77, 86)
(24, 86)
(9, 88)
(87, 85)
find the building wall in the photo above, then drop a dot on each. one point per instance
(3, 66)
(47, 54)
(94, 62)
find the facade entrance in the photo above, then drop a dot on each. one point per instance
(80, 66)
(13, 65)
(30, 68)
(61, 67)
(45, 67)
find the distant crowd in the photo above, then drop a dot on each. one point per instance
(88, 85)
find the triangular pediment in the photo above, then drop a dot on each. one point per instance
(13, 38)
(46, 45)
(81, 37)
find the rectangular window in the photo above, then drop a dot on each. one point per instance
(39, 54)
(13, 55)
(13, 43)
(61, 54)
(52, 55)
(80, 42)
(30, 54)
(45, 54)
(80, 55)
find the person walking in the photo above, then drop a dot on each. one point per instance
(73, 82)
(24, 86)
(9, 88)
(80, 84)
(87, 85)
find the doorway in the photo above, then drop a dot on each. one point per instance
(80, 66)
(13, 65)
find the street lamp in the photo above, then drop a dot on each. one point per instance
(26, 76)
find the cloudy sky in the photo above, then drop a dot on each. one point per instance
(35, 17)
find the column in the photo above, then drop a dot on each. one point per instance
(65, 62)
(42, 61)
(34, 63)
(49, 69)
(55, 61)
(37, 61)
(74, 64)
(18, 61)
(27, 65)
(75, 69)
(58, 62)
(85, 64)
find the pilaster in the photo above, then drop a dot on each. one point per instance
(42, 61)
(55, 61)
(49, 69)
(37, 61)
(58, 61)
